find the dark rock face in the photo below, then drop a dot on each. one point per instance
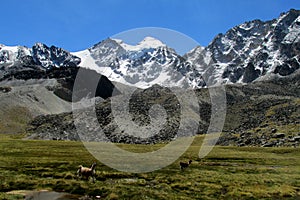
(286, 69)
(250, 73)
(65, 89)
(66, 77)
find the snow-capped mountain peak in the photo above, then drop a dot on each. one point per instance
(11, 54)
(147, 63)
(146, 43)
(14, 58)
(252, 51)
(150, 42)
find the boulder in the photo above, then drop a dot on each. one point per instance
(296, 138)
(274, 130)
(279, 135)
(269, 144)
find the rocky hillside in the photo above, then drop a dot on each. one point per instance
(263, 113)
(62, 126)
(258, 114)
(37, 91)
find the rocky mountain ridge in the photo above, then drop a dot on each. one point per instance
(148, 63)
(25, 63)
(251, 51)
(40, 54)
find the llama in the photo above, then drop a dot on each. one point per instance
(184, 165)
(87, 172)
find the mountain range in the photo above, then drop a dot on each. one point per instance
(249, 52)
(257, 61)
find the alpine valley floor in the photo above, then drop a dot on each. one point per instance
(226, 173)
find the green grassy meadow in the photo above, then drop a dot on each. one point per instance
(226, 173)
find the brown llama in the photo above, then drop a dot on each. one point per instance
(87, 172)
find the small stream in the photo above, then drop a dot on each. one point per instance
(50, 195)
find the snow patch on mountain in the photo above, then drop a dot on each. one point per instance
(293, 33)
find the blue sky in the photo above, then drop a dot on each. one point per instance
(78, 24)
